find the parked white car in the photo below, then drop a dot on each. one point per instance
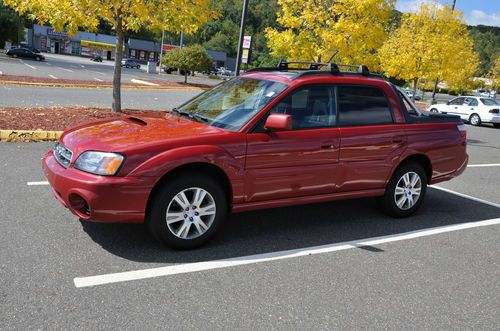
(475, 110)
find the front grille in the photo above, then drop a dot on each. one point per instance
(62, 154)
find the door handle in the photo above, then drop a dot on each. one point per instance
(397, 140)
(327, 146)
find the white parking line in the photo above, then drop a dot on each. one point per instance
(465, 196)
(37, 183)
(274, 256)
(29, 65)
(96, 72)
(52, 76)
(99, 80)
(68, 70)
(483, 165)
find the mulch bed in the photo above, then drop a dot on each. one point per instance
(43, 80)
(59, 118)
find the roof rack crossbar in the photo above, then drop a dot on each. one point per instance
(333, 68)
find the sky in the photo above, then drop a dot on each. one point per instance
(484, 12)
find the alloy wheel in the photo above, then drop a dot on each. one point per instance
(408, 190)
(190, 213)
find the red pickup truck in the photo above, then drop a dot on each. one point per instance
(272, 137)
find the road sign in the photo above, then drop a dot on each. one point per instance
(245, 55)
(247, 41)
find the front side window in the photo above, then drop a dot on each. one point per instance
(311, 107)
(363, 105)
(232, 104)
(457, 102)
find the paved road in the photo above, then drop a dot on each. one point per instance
(443, 281)
(27, 96)
(73, 67)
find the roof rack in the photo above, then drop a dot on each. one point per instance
(316, 68)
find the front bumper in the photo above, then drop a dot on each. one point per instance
(98, 198)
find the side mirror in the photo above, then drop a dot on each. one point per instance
(278, 122)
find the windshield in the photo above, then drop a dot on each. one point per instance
(232, 104)
(489, 102)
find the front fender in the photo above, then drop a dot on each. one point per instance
(166, 161)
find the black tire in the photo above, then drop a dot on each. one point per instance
(138, 67)
(14, 55)
(475, 120)
(496, 125)
(38, 58)
(157, 214)
(388, 201)
(434, 110)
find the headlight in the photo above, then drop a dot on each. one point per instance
(99, 163)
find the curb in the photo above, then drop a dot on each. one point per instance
(63, 85)
(29, 135)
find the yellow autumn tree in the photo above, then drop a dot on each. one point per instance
(494, 75)
(348, 31)
(122, 15)
(433, 42)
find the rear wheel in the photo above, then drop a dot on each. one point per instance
(434, 110)
(475, 120)
(38, 58)
(187, 211)
(405, 191)
(14, 55)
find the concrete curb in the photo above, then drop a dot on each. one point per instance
(29, 135)
(63, 85)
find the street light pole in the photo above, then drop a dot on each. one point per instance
(240, 40)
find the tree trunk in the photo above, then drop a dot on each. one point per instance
(117, 74)
(434, 91)
(415, 82)
(185, 76)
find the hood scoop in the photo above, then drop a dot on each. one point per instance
(137, 121)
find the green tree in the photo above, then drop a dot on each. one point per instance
(9, 22)
(122, 15)
(193, 58)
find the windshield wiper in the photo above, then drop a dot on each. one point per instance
(196, 117)
(200, 118)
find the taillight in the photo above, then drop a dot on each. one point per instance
(463, 131)
(494, 111)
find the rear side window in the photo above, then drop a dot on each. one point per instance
(363, 105)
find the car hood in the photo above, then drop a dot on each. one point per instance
(128, 133)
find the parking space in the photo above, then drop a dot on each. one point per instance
(72, 67)
(435, 269)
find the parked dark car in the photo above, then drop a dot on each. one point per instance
(25, 53)
(130, 63)
(96, 58)
(169, 70)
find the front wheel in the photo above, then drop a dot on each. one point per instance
(475, 120)
(187, 211)
(434, 110)
(405, 191)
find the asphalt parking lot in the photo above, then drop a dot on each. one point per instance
(436, 270)
(57, 67)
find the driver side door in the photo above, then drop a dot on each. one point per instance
(298, 162)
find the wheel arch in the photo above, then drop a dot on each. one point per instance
(419, 158)
(205, 168)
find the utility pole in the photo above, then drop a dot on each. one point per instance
(161, 49)
(240, 40)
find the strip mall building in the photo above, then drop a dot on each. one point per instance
(46, 39)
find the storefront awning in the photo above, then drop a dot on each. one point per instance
(95, 44)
